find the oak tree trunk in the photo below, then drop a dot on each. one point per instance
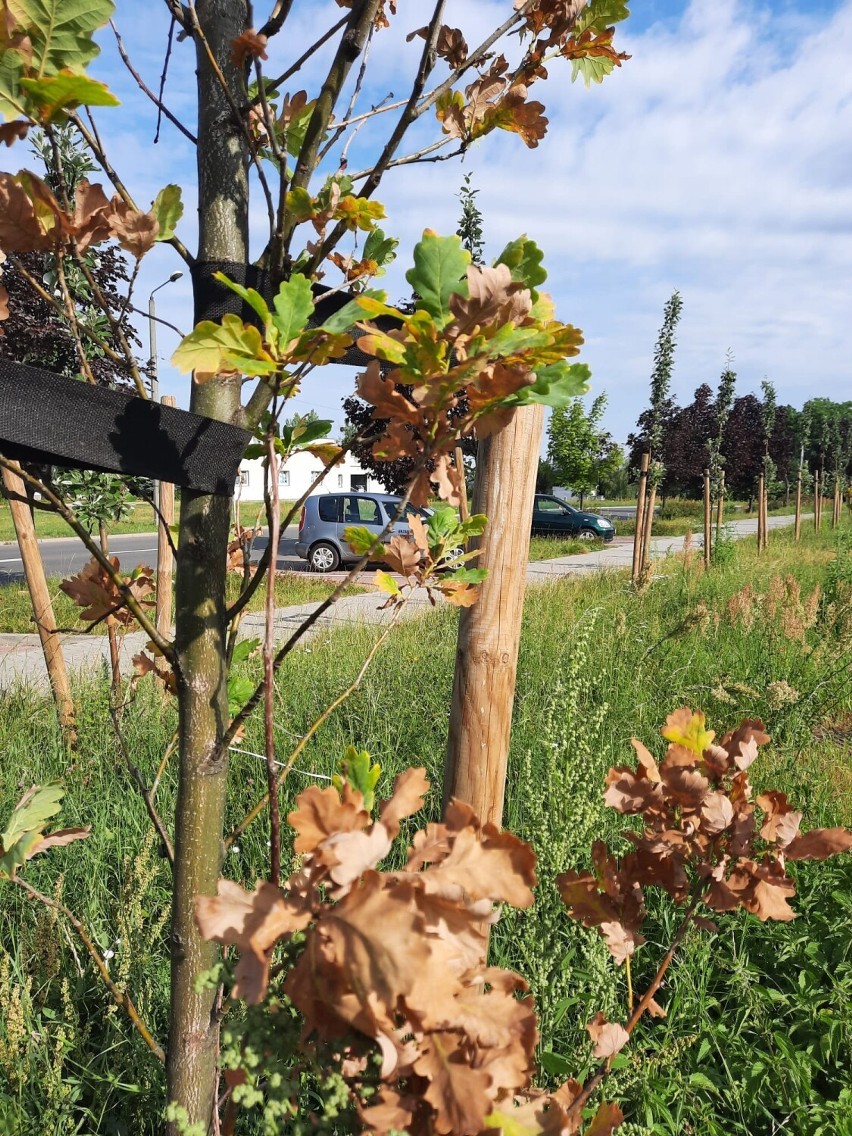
(200, 611)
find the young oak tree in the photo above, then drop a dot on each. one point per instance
(485, 330)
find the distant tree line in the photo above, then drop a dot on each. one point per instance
(819, 437)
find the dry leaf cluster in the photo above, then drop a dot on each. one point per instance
(394, 962)
(399, 958)
(33, 220)
(706, 837)
(99, 595)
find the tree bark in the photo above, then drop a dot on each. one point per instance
(200, 610)
(708, 517)
(490, 631)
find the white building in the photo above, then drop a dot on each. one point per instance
(298, 474)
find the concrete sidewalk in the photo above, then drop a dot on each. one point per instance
(21, 659)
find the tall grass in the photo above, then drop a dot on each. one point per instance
(599, 663)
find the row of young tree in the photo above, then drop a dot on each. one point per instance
(817, 438)
(742, 438)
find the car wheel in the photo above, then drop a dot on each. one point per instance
(588, 534)
(323, 557)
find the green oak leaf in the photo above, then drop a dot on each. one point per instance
(36, 807)
(243, 649)
(303, 434)
(240, 691)
(600, 15)
(440, 271)
(61, 31)
(359, 538)
(50, 97)
(232, 345)
(252, 297)
(523, 258)
(294, 305)
(347, 316)
(355, 769)
(593, 68)
(168, 209)
(555, 385)
(380, 248)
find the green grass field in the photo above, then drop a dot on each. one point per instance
(758, 1037)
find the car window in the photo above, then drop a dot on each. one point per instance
(409, 511)
(361, 511)
(551, 506)
(327, 508)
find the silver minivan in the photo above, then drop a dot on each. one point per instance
(326, 515)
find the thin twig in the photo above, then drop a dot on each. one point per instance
(308, 623)
(37, 287)
(70, 519)
(161, 769)
(144, 791)
(93, 141)
(140, 83)
(121, 997)
(286, 768)
(163, 74)
(418, 156)
(359, 82)
(409, 113)
(268, 660)
(239, 117)
(348, 49)
(644, 1002)
(263, 564)
(273, 84)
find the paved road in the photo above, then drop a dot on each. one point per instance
(21, 658)
(63, 556)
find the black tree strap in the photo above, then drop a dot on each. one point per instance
(47, 419)
(51, 420)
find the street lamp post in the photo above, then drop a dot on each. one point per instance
(152, 365)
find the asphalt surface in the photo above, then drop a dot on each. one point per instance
(22, 661)
(64, 556)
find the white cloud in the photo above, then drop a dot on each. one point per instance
(717, 161)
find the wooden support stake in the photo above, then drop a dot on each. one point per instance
(165, 556)
(639, 525)
(760, 513)
(647, 526)
(835, 504)
(464, 511)
(708, 517)
(45, 620)
(765, 515)
(798, 525)
(489, 632)
(817, 500)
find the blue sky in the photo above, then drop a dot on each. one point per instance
(717, 161)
